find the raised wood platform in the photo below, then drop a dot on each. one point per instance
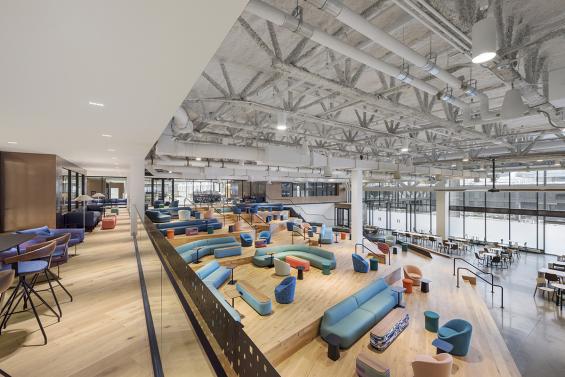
(426, 251)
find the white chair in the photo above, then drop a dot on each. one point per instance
(281, 267)
(184, 214)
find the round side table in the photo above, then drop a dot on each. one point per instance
(431, 321)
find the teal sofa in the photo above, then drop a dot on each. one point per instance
(353, 317)
(318, 257)
(261, 307)
(326, 235)
(214, 275)
(204, 247)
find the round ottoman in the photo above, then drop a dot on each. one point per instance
(407, 284)
(170, 234)
(374, 263)
(432, 321)
(184, 214)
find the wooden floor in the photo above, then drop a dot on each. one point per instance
(289, 336)
(103, 331)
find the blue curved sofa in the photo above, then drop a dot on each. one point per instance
(353, 317)
(261, 303)
(457, 332)
(206, 247)
(180, 226)
(214, 275)
(316, 256)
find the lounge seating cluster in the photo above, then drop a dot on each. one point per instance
(316, 256)
(77, 217)
(179, 227)
(214, 275)
(351, 318)
(221, 247)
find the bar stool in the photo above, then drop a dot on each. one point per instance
(32, 264)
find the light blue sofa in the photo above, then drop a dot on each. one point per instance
(204, 247)
(318, 257)
(353, 317)
(213, 274)
(263, 307)
(457, 332)
(228, 251)
(326, 235)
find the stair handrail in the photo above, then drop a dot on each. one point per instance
(307, 213)
(377, 246)
(491, 282)
(362, 244)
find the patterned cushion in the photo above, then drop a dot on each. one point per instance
(382, 341)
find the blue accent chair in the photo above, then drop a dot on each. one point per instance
(326, 235)
(236, 210)
(351, 318)
(457, 332)
(284, 292)
(246, 239)
(289, 226)
(158, 203)
(213, 274)
(265, 235)
(174, 203)
(360, 264)
(157, 216)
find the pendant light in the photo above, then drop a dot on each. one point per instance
(513, 106)
(281, 121)
(483, 36)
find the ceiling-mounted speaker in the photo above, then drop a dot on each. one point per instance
(513, 106)
(328, 171)
(483, 37)
(397, 175)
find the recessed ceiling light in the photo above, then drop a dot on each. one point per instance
(453, 165)
(281, 127)
(465, 159)
(539, 160)
(97, 104)
(170, 172)
(198, 159)
(12, 142)
(111, 150)
(404, 150)
(106, 135)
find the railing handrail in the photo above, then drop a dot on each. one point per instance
(486, 281)
(362, 244)
(377, 246)
(472, 265)
(307, 213)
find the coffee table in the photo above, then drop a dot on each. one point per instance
(399, 291)
(300, 270)
(10, 240)
(425, 285)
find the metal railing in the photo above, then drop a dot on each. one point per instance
(245, 358)
(307, 213)
(491, 282)
(364, 247)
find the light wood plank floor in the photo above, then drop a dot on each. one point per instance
(102, 332)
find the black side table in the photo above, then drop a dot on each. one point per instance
(399, 291)
(425, 285)
(442, 346)
(300, 272)
(333, 346)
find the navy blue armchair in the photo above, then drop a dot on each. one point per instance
(359, 263)
(284, 292)
(158, 216)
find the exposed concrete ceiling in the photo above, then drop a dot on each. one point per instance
(340, 107)
(137, 58)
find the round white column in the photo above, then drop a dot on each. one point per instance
(356, 214)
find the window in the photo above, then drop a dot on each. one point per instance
(286, 189)
(308, 189)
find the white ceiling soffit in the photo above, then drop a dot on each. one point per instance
(138, 58)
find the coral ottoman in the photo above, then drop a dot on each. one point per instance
(260, 243)
(109, 222)
(295, 262)
(407, 284)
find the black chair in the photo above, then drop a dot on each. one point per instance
(480, 260)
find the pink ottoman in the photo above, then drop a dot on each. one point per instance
(260, 243)
(191, 231)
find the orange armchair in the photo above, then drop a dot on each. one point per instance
(432, 366)
(413, 273)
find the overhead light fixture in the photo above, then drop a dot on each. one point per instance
(483, 37)
(405, 149)
(454, 165)
(539, 160)
(513, 106)
(106, 135)
(170, 172)
(12, 142)
(281, 121)
(97, 104)
(465, 159)
(198, 159)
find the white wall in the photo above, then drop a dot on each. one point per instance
(316, 213)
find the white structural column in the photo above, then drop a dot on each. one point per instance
(136, 190)
(356, 214)
(442, 214)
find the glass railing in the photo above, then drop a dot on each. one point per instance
(179, 351)
(197, 333)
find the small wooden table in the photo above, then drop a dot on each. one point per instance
(10, 240)
(232, 294)
(231, 267)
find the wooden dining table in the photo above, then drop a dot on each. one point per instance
(559, 273)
